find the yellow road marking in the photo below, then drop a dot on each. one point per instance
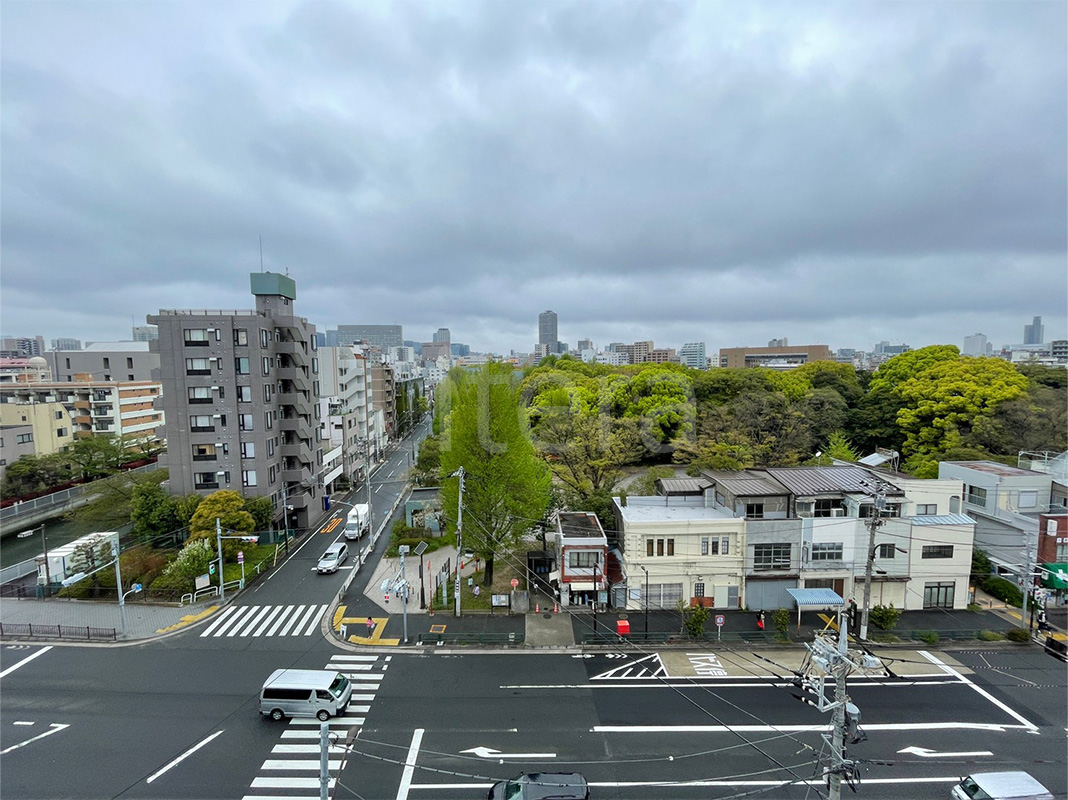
(355, 622)
(189, 619)
(329, 527)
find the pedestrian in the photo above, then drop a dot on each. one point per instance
(760, 620)
(1042, 624)
(370, 626)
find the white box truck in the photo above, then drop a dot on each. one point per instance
(358, 522)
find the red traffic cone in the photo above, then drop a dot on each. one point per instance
(556, 608)
(537, 608)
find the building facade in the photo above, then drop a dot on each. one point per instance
(240, 395)
(381, 336)
(693, 355)
(1034, 333)
(787, 357)
(106, 361)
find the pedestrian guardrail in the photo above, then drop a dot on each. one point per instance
(635, 637)
(470, 638)
(25, 630)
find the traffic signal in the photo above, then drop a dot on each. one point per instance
(854, 616)
(387, 597)
(211, 568)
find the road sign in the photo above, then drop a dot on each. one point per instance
(240, 556)
(515, 582)
(137, 587)
(720, 620)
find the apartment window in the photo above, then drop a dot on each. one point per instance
(272, 473)
(196, 337)
(129, 363)
(222, 420)
(938, 595)
(266, 365)
(268, 420)
(61, 431)
(68, 366)
(197, 366)
(205, 480)
(204, 452)
(241, 337)
(583, 559)
(699, 589)
(826, 551)
(244, 394)
(926, 509)
(671, 547)
(771, 556)
(200, 423)
(937, 551)
(24, 438)
(244, 422)
(315, 366)
(704, 545)
(663, 546)
(200, 394)
(248, 477)
(725, 546)
(107, 363)
(59, 415)
(241, 366)
(268, 392)
(754, 511)
(265, 338)
(248, 449)
(886, 551)
(1062, 551)
(825, 508)
(1028, 499)
(976, 496)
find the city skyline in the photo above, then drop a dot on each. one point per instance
(833, 173)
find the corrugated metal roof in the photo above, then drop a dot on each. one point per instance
(745, 484)
(816, 597)
(942, 519)
(809, 481)
(680, 485)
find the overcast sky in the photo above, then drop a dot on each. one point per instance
(838, 173)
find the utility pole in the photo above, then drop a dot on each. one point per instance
(1028, 585)
(402, 589)
(218, 544)
(459, 534)
(838, 720)
(873, 523)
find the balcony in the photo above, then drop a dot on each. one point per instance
(205, 485)
(299, 450)
(206, 457)
(294, 350)
(295, 475)
(296, 375)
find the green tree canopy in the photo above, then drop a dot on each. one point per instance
(229, 508)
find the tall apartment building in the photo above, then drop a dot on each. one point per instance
(693, 355)
(105, 361)
(381, 336)
(127, 409)
(443, 335)
(975, 345)
(549, 334)
(663, 355)
(240, 396)
(585, 344)
(346, 381)
(22, 346)
(1035, 332)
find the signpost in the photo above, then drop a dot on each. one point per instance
(515, 583)
(241, 561)
(720, 619)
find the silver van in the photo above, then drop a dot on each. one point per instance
(1000, 786)
(333, 558)
(305, 693)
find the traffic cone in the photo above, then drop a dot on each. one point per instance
(556, 607)
(537, 608)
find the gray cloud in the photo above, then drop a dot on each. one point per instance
(678, 171)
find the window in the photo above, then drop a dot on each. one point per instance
(248, 449)
(244, 422)
(272, 473)
(1028, 499)
(660, 547)
(244, 393)
(241, 365)
(937, 551)
(268, 392)
(240, 337)
(204, 452)
(886, 551)
(825, 508)
(584, 559)
(270, 447)
(268, 419)
(699, 589)
(129, 363)
(704, 545)
(754, 511)
(771, 556)
(59, 415)
(926, 509)
(130, 377)
(1062, 551)
(196, 337)
(197, 366)
(205, 480)
(201, 423)
(248, 477)
(976, 496)
(725, 546)
(107, 363)
(649, 547)
(24, 438)
(938, 595)
(826, 551)
(61, 431)
(266, 365)
(199, 394)
(265, 338)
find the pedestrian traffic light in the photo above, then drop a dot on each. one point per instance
(211, 568)
(854, 615)
(387, 597)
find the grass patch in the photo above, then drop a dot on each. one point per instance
(989, 636)
(1018, 635)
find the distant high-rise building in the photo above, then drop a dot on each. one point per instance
(584, 344)
(320, 339)
(884, 348)
(442, 335)
(66, 344)
(460, 350)
(783, 342)
(23, 346)
(141, 333)
(548, 334)
(331, 337)
(975, 345)
(1035, 332)
(381, 336)
(693, 355)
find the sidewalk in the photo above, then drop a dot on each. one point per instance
(143, 621)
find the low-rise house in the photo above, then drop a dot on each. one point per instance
(581, 546)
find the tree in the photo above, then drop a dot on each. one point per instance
(428, 464)
(32, 473)
(507, 487)
(97, 456)
(112, 504)
(586, 451)
(839, 447)
(153, 512)
(262, 511)
(645, 486)
(229, 508)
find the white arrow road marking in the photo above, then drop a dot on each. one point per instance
(55, 727)
(183, 756)
(489, 752)
(923, 752)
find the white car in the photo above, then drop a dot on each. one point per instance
(333, 558)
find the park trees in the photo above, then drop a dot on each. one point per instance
(485, 431)
(229, 508)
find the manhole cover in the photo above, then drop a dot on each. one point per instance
(547, 616)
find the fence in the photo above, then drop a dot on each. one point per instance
(470, 638)
(19, 630)
(16, 571)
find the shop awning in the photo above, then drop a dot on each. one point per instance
(582, 586)
(1055, 575)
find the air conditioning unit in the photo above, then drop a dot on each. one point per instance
(837, 512)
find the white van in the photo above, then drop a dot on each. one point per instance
(1000, 786)
(305, 693)
(333, 558)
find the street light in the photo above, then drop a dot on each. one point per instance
(218, 542)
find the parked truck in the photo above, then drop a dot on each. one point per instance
(359, 521)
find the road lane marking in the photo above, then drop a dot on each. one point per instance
(55, 727)
(266, 622)
(313, 620)
(280, 764)
(409, 765)
(182, 757)
(1030, 726)
(253, 620)
(886, 726)
(25, 661)
(923, 752)
(292, 619)
(815, 783)
(23, 722)
(292, 783)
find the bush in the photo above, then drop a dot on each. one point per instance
(1004, 590)
(781, 619)
(989, 636)
(696, 616)
(930, 637)
(884, 617)
(1018, 635)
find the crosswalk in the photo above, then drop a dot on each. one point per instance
(302, 620)
(292, 771)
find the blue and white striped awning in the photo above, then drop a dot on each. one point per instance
(816, 597)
